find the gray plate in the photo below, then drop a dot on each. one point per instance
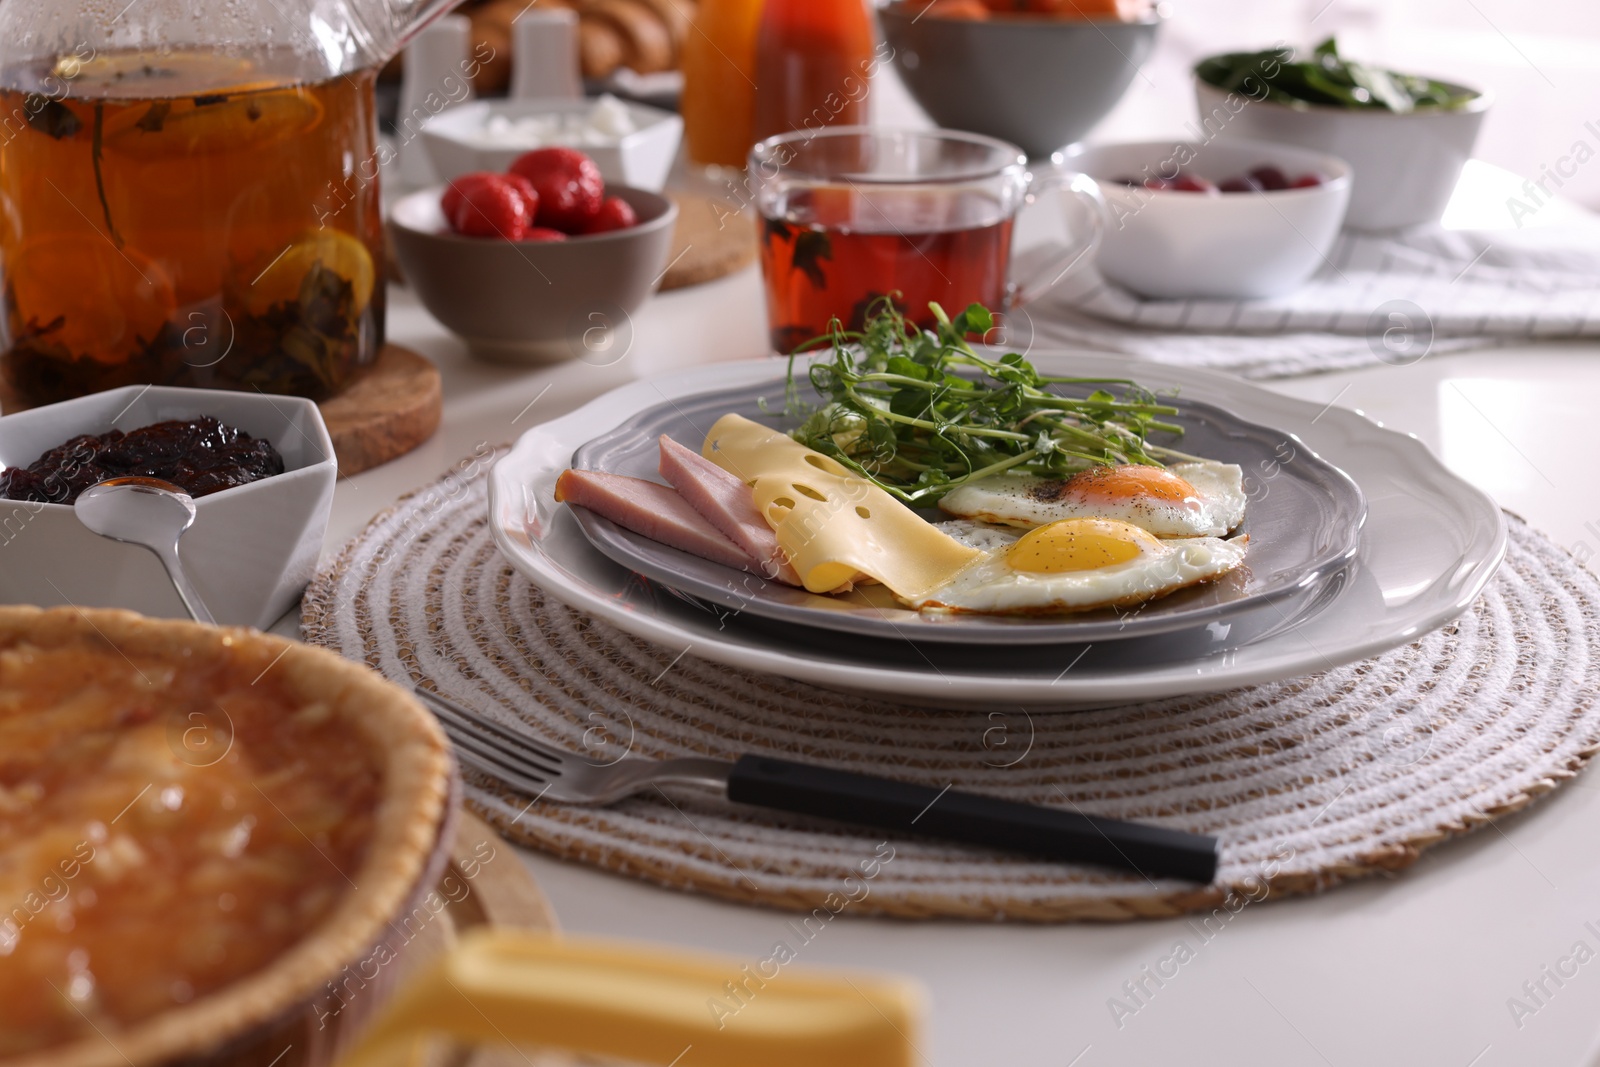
(1304, 523)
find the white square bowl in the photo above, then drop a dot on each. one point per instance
(251, 550)
(642, 159)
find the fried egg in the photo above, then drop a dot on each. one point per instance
(1200, 499)
(1074, 565)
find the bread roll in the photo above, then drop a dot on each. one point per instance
(677, 16)
(646, 35)
(647, 44)
(600, 48)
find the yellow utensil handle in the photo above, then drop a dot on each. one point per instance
(643, 1005)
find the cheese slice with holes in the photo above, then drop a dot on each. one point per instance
(833, 524)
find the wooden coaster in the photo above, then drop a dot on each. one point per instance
(712, 240)
(390, 408)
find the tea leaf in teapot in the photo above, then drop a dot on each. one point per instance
(325, 300)
(152, 121)
(306, 347)
(50, 117)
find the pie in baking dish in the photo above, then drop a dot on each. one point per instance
(198, 827)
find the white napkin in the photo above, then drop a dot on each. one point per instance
(1382, 298)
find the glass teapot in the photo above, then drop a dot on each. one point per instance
(189, 192)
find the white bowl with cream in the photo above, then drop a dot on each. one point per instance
(632, 144)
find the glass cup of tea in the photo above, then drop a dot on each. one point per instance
(853, 214)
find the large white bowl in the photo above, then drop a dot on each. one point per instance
(1405, 166)
(1178, 246)
(640, 159)
(251, 550)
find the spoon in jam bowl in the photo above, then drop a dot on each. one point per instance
(149, 512)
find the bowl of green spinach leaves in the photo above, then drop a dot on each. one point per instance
(1405, 136)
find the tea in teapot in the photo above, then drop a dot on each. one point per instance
(202, 210)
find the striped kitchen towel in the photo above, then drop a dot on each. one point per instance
(1381, 298)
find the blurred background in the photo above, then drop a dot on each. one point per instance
(1539, 59)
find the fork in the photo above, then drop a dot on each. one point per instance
(545, 772)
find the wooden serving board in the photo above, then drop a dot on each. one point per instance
(483, 884)
(502, 892)
(712, 239)
(487, 885)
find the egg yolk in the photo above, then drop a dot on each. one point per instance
(1130, 482)
(1078, 545)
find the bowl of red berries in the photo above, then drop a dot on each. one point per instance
(1215, 219)
(540, 263)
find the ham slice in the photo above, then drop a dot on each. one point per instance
(727, 504)
(651, 510)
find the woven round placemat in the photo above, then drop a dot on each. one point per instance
(1307, 782)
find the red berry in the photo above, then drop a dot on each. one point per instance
(492, 209)
(1245, 184)
(569, 185)
(450, 202)
(1188, 183)
(543, 233)
(1157, 183)
(525, 189)
(1306, 181)
(615, 214)
(1270, 177)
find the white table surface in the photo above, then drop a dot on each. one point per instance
(1406, 970)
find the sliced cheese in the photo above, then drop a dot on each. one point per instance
(833, 524)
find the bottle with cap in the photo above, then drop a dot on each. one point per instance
(813, 62)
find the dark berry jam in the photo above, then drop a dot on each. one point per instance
(201, 456)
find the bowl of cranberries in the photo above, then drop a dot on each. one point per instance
(539, 263)
(1215, 219)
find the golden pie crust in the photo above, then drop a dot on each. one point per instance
(408, 813)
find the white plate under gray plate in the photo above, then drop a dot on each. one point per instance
(1430, 545)
(1304, 531)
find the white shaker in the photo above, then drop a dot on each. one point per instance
(544, 55)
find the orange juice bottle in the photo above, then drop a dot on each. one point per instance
(813, 61)
(719, 81)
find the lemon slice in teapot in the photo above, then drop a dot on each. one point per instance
(87, 295)
(198, 105)
(282, 280)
